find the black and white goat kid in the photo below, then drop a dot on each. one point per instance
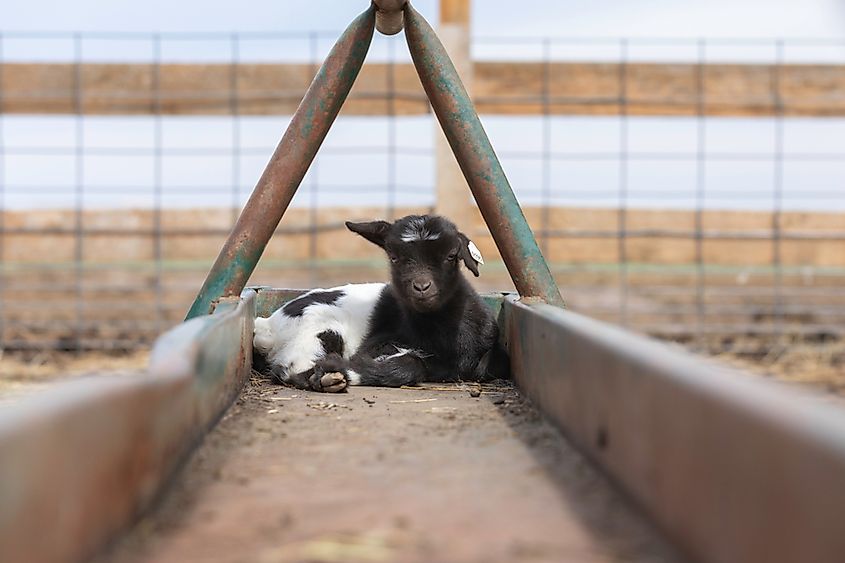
(427, 324)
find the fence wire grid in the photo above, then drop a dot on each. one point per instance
(684, 226)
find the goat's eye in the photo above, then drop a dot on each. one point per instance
(452, 257)
(393, 258)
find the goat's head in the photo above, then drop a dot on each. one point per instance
(424, 252)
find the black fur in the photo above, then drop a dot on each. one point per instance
(332, 342)
(297, 307)
(315, 378)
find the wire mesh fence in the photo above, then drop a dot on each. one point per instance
(691, 189)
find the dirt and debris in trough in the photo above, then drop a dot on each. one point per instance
(414, 474)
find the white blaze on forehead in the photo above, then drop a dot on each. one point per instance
(418, 230)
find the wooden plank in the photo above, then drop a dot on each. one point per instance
(498, 88)
(455, 12)
(732, 467)
(576, 235)
(80, 461)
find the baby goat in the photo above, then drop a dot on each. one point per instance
(427, 324)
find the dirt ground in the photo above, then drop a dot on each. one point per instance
(21, 375)
(429, 474)
(820, 365)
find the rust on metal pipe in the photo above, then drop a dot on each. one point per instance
(288, 165)
(478, 162)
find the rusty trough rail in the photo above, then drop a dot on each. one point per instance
(734, 468)
(81, 461)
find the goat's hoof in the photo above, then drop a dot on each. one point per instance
(333, 382)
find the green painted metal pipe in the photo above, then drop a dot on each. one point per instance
(479, 163)
(288, 165)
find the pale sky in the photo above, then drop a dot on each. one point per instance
(631, 18)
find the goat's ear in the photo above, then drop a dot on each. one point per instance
(465, 252)
(374, 231)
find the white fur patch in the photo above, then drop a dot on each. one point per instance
(417, 230)
(402, 352)
(292, 342)
(353, 377)
(263, 340)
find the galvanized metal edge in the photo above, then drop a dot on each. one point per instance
(80, 461)
(733, 467)
(269, 299)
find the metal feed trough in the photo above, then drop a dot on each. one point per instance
(732, 468)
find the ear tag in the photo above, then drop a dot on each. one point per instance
(475, 253)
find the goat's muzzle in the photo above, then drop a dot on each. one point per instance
(424, 294)
(422, 288)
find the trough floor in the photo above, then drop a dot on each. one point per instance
(428, 475)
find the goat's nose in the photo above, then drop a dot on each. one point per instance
(422, 287)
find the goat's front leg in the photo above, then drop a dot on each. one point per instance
(394, 370)
(327, 375)
(494, 364)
